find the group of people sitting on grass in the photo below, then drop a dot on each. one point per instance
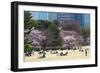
(42, 53)
(59, 53)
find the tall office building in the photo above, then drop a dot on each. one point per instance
(40, 15)
(65, 16)
(80, 18)
(87, 20)
(44, 16)
(52, 16)
(83, 19)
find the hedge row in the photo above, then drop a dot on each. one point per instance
(46, 49)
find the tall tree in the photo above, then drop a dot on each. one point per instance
(28, 24)
(85, 32)
(52, 35)
(27, 18)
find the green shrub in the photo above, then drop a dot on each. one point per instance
(27, 48)
(36, 49)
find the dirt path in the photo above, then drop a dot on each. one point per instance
(72, 55)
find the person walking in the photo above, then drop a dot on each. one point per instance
(85, 52)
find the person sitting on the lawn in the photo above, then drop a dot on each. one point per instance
(42, 54)
(54, 52)
(63, 54)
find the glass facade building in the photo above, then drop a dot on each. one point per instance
(84, 19)
(40, 15)
(52, 16)
(44, 16)
(65, 16)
